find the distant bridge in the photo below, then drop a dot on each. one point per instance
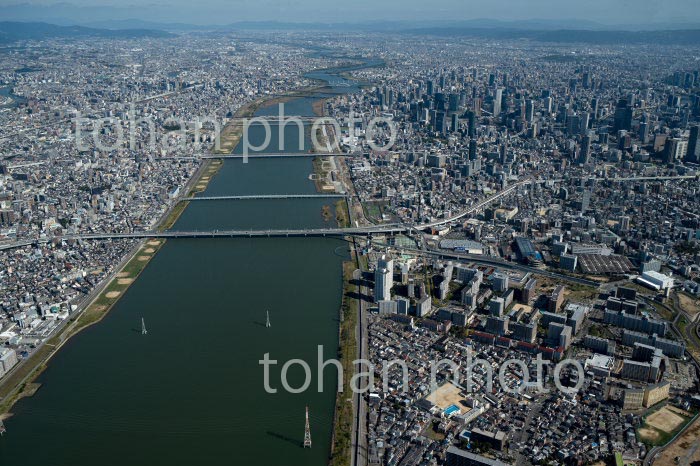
(254, 155)
(262, 196)
(393, 228)
(257, 155)
(285, 119)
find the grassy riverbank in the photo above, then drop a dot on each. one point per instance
(206, 173)
(19, 383)
(232, 132)
(342, 217)
(347, 353)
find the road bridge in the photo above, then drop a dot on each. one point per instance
(392, 228)
(263, 196)
(256, 155)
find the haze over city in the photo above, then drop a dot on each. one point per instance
(552, 13)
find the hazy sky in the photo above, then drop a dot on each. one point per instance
(227, 11)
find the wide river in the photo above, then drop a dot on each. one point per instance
(191, 392)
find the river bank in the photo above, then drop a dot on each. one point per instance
(232, 131)
(20, 382)
(202, 302)
(347, 353)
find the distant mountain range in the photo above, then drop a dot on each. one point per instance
(539, 25)
(598, 37)
(535, 30)
(11, 31)
(141, 15)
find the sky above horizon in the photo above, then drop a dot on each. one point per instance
(610, 12)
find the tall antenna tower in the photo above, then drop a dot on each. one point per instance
(307, 431)
(267, 322)
(143, 327)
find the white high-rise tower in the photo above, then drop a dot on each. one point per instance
(383, 279)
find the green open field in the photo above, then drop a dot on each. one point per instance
(662, 424)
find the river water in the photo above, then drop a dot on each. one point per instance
(191, 391)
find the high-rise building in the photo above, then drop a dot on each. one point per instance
(528, 291)
(497, 306)
(599, 345)
(623, 116)
(655, 393)
(585, 201)
(634, 322)
(499, 282)
(423, 306)
(8, 359)
(568, 262)
(644, 132)
(633, 370)
(472, 149)
(383, 279)
(529, 110)
(584, 155)
(675, 149)
(670, 348)
(559, 334)
(524, 332)
(382, 285)
(556, 299)
(632, 398)
(585, 121)
(548, 103)
(454, 124)
(693, 153)
(573, 124)
(497, 325)
(577, 314)
(498, 96)
(453, 102)
(471, 118)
